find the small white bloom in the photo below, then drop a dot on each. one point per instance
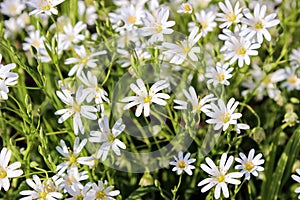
(229, 16)
(240, 49)
(185, 8)
(250, 165)
(8, 171)
(88, 13)
(184, 49)
(12, 8)
(108, 137)
(219, 176)
(297, 178)
(35, 39)
(290, 77)
(44, 6)
(73, 155)
(40, 190)
(258, 23)
(82, 60)
(77, 193)
(206, 20)
(157, 26)
(295, 57)
(183, 163)
(223, 115)
(102, 191)
(71, 178)
(74, 107)
(7, 78)
(197, 103)
(71, 35)
(93, 91)
(144, 98)
(219, 74)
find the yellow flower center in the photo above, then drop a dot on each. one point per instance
(159, 28)
(84, 60)
(76, 108)
(258, 25)
(186, 50)
(204, 25)
(36, 44)
(182, 164)
(267, 80)
(13, 9)
(73, 159)
(3, 173)
(147, 99)
(187, 7)
(220, 77)
(101, 196)
(224, 117)
(241, 50)
(292, 80)
(79, 197)
(221, 178)
(248, 166)
(111, 138)
(131, 19)
(230, 16)
(43, 195)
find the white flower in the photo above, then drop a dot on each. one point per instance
(295, 57)
(7, 78)
(229, 16)
(71, 35)
(35, 39)
(71, 178)
(79, 193)
(102, 191)
(82, 60)
(12, 8)
(206, 20)
(126, 17)
(183, 163)
(87, 12)
(251, 164)
(290, 77)
(219, 75)
(157, 26)
(258, 23)
(197, 103)
(297, 178)
(74, 107)
(8, 171)
(240, 49)
(185, 8)
(44, 6)
(73, 155)
(93, 91)
(144, 98)
(108, 137)
(184, 49)
(40, 191)
(219, 176)
(223, 115)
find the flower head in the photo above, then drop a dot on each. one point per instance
(144, 98)
(44, 6)
(8, 171)
(219, 176)
(297, 178)
(223, 115)
(230, 15)
(183, 163)
(108, 137)
(250, 165)
(102, 191)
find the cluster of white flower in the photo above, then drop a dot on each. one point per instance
(219, 175)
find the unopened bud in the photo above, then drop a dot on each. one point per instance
(146, 179)
(258, 134)
(291, 118)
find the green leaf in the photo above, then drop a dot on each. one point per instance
(140, 192)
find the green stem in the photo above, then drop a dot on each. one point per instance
(174, 191)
